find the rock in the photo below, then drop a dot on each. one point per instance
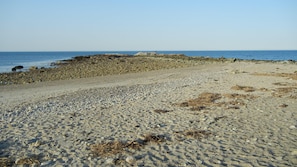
(294, 152)
(292, 127)
(36, 144)
(235, 72)
(141, 137)
(17, 68)
(109, 161)
(65, 159)
(232, 60)
(47, 163)
(131, 160)
(32, 68)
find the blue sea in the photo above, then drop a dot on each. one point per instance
(9, 60)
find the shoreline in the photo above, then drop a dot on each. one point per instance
(50, 61)
(100, 65)
(111, 64)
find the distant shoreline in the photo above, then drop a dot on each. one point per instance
(113, 64)
(44, 59)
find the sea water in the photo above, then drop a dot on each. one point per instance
(8, 60)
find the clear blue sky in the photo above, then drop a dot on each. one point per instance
(118, 25)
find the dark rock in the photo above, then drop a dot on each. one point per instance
(17, 68)
(233, 60)
(80, 58)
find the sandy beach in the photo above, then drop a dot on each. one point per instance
(240, 113)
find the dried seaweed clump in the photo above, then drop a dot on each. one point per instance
(197, 134)
(288, 75)
(109, 148)
(283, 105)
(244, 88)
(115, 147)
(28, 161)
(5, 162)
(152, 138)
(285, 91)
(159, 111)
(285, 84)
(204, 99)
(239, 96)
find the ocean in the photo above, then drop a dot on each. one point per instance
(8, 60)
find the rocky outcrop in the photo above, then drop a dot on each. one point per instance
(146, 54)
(101, 65)
(160, 55)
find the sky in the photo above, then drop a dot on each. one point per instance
(126, 25)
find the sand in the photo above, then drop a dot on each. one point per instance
(228, 114)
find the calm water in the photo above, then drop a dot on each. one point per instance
(43, 59)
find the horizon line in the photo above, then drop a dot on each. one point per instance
(155, 50)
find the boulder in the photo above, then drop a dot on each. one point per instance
(17, 68)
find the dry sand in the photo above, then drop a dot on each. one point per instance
(231, 114)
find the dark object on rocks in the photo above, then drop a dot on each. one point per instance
(162, 111)
(283, 105)
(80, 58)
(17, 68)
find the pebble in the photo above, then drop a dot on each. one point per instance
(109, 161)
(141, 137)
(292, 127)
(294, 152)
(131, 160)
(65, 159)
(59, 166)
(36, 144)
(47, 163)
